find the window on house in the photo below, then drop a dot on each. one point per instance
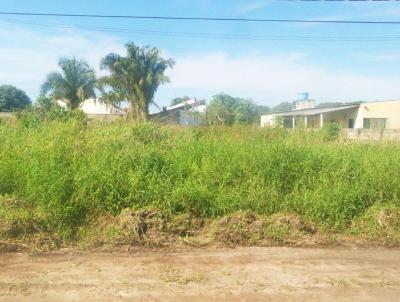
(374, 123)
(351, 123)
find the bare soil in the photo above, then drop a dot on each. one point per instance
(212, 274)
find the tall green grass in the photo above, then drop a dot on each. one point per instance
(68, 173)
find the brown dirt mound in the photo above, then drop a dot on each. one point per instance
(23, 229)
(157, 228)
(240, 228)
(388, 218)
(247, 228)
(148, 227)
(294, 222)
(380, 223)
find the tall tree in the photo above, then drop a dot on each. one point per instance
(73, 84)
(134, 78)
(282, 107)
(262, 109)
(220, 110)
(245, 112)
(12, 98)
(227, 110)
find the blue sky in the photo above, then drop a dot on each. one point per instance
(268, 71)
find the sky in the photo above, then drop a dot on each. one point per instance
(271, 63)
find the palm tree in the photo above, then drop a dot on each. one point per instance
(134, 78)
(73, 84)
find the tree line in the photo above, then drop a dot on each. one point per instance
(133, 78)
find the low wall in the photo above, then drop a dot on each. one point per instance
(372, 134)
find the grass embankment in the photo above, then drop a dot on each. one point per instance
(64, 183)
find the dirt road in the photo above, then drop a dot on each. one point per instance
(242, 274)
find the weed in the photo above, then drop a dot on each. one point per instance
(65, 176)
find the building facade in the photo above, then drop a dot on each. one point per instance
(369, 115)
(95, 108)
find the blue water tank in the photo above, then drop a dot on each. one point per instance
(303, 96)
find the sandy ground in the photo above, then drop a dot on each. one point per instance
(242, 274)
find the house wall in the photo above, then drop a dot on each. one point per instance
(191, 118)
(303, 104)
(372, 134)
(313, 121)
(95, 107)
(267, 120)
(92, 106)
(389, 110)
(341, 117)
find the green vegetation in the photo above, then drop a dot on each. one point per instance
(134, 78)
(12, 98)
(331, 131)
(228, 110)
(282, 107)
(262, 109)
(74, 84)
(44, 102)
(62, 179)
(65, 180)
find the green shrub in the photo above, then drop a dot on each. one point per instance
(57, 113)
(331, 132)
(34, 116)
(30, 117)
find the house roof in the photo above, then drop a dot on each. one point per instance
(191, 102)
(315, 111)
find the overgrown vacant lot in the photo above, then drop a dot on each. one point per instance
(64, 183)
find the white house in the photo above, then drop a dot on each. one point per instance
(95, 107)
(364, 115)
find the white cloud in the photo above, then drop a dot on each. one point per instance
(274, 78)
(27, 56)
